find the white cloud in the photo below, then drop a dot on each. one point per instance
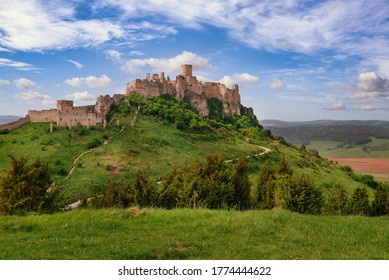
(371, 85)
(24, 83)
(84, 95)
(364, 108)
(16, 64)
(336, 106)
(75, 63)
(136, 53)
(239, 78)
(114, 55)
(34, 96)
(172, 64)
(90, 81)
(39, 25)
(276, 84)
(4, 83)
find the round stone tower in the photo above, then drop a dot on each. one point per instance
(186, 70)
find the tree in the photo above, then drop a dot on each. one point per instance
(359, 202)
(337, 201)
(304, 197)
(265, 175)
(27, 188)
(381, 200)
(142, 189)
(242, 184)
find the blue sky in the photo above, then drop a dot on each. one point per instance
(293, 60)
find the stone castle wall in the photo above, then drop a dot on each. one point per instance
(187, 87)
(14, 125)
(73, 118)
(43, 116)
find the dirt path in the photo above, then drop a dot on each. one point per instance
(266, 150)
(91, 150)
(77, 203)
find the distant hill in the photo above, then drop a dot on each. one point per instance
(8, 118)
(349, 132)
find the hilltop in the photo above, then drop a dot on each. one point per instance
(168, 133)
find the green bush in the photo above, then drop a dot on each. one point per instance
(336, 203)
(381, 200)
(94, 143)
(27, 188)
(142, 190)
(359, 202)
(303, 197)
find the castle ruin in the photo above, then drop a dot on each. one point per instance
(187, 87)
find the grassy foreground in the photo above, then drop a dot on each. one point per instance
(192, 234)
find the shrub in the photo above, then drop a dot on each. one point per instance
(142, 190)
(337, 201)
(359, 202)
(27, 187)
(242, 185)
(303, 197)
(381, 200)
(94, 143)
(115, 196)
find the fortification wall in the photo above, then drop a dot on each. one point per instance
(86, 119)
(43, 116)
(14, 125)
(145, 87)
(82, 109)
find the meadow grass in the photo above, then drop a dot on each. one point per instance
(377, 148)
(192, 234)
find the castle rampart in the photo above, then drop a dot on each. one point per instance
(43, 116)
(14, 125)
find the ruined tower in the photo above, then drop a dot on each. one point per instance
(64, 106)
(186, 70)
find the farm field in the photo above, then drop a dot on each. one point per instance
(371, 158)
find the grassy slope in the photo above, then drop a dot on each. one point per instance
(192, 234)
(150, 145)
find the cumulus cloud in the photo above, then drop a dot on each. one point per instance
(276, 84)
(371, 85)
(24, 83)
(239, 78)
(84, 95)
(336, 106)
(114, 55)
(4, 83)
(172, 64)
(34, 96)
(90, 81)
(75, 63)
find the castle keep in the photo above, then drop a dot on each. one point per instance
(187, 87)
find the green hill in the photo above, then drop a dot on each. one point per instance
(167, 134)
